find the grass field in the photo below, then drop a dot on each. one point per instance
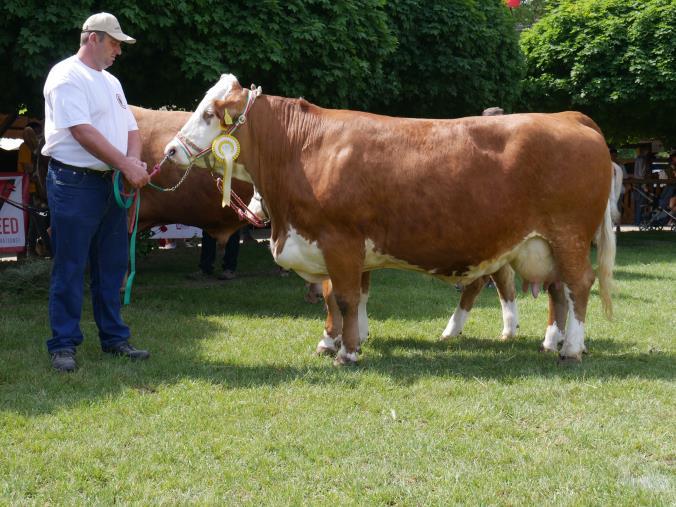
(234, 408)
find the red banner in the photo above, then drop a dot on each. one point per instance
(13, 221)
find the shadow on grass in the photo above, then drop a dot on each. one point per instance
(622, 274)
(171, 317)
(32, 389)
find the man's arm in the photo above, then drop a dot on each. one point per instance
(131, 167)
(134, 144)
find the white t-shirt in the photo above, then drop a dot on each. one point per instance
(76, 94)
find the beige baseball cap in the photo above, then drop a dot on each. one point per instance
(106, 22)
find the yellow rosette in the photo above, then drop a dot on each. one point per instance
(226, 150)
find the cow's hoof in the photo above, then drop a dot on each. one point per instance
(329, 346)
(547, 349)
(345, 359)
(506, 337)
(569, 359)
(325, 351)
(447, 336)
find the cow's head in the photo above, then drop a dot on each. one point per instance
(217, 109)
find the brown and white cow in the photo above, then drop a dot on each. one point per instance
(350, 192)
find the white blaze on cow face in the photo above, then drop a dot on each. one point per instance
(202, 127)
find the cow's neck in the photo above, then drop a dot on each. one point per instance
(278, 130)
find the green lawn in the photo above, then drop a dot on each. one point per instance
(234, 408)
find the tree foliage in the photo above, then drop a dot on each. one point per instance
(613, 59)
(454, 58)
(530, 11)
(329, 52)
(414, 57)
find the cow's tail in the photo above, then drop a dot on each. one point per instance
(605, 256)
(615, 192)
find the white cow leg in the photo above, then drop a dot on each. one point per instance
(362, 315)
(457, 321)
(573, 342)
(363, 318)
(455, 324)
(328, 345)
(504, 283)
(553, 336)
(558, 315)
(510, 319)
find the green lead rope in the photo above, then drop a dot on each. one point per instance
(126, 203)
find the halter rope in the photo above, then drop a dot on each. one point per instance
(125, 200)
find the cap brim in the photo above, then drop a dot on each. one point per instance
(122, 37)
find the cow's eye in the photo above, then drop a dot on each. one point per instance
(208, 115)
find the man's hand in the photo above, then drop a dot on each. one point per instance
(130, 166)
(134, 171)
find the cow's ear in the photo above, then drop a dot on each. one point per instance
(221, 112)
(30, 138)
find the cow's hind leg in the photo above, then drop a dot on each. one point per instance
(556, 323)
(457, 321)
(363, 300)
(333, 326)
(578, 276)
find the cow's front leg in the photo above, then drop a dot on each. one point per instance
(348, 302)
(504, 283)
(333, 326)
(344, 266)
(556, 323)
(578, 278)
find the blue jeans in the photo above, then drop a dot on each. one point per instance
(208, 252)
(639, 201)
(87, 226)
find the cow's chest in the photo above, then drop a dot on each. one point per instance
(303, 256)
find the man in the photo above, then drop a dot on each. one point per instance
(619, 174)
(641, 171)
(669, 191)
(89, 130)
(208, 256)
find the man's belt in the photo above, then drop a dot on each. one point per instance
(85, 170)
